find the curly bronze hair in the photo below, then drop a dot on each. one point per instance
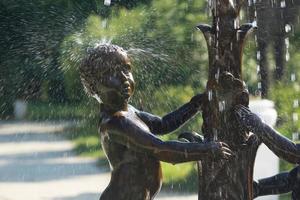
(98, 60)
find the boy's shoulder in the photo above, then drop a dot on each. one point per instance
(118, 118)
(131, 108)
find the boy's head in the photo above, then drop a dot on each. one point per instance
(106, 71)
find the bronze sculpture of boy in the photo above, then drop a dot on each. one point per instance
(129, 136)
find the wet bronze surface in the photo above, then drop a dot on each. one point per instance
(230, 180)
(281, 146)
(128, 136)
(233, 180)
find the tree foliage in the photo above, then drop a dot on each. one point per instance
(43, 42)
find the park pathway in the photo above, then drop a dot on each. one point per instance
(37, 163)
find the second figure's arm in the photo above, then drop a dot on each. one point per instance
(280, 145)
(279, 184)
(173, 120)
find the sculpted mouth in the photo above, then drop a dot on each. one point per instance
(126, 92)
(126, 88)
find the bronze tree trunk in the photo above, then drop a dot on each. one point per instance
(230, 180)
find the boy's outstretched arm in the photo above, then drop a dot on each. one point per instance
(127, 133)
(280, 145)
(175, 119)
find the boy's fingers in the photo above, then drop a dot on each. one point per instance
(239, 113)
(237, 108)
(246, 110)
(223, 144)
(226, 150)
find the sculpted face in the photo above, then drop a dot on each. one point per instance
(117, 84)
(106, 75)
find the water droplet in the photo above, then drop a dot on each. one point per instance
(209, 41)
(217, 75)
(210, 95)
(296, 103)
(242, 14)
(215, 134)
(287, 45)
(259, 85)
(293, 77)
(287, 56)
(220, 192)
(222, 105)
(287, 42)
(295, 117)
(282, 4)
(295, 136)
(258, 69)
(238, 35)
(107, 2)
(288, 28)
(236, 24)
(258, 56)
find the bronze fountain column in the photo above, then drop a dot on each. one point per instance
(230, 180)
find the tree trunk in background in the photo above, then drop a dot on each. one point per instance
(230, 180)
(274, 20)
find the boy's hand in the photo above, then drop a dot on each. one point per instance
(248, 120)
(220, 150)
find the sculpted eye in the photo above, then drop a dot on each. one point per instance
(126, 70)
(128, 67)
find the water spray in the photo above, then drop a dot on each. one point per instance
(107, 2)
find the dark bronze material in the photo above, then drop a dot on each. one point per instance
(128, 136)
(225, 38)
(282, 183)
(281, 146)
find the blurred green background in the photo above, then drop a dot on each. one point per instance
(42, 43)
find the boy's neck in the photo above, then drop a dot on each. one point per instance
(113, 109)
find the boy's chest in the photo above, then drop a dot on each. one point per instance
(132, 116)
